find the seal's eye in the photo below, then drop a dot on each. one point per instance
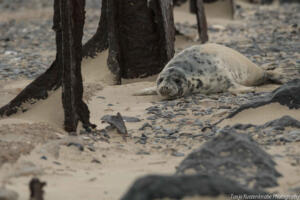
(160, 80)
(177, 81)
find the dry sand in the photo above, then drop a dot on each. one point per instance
(261, 115)
(120, 166)
(106, 173)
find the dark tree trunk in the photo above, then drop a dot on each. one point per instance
(141, 37)
(114, 58)
(72, 15)
(197, 6)
(52, 78)
(99, 42)
(164, 17)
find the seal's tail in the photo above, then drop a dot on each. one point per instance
(146, 91)
(282, 74)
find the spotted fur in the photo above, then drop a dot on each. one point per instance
(209, 68)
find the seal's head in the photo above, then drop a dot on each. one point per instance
(172, 83)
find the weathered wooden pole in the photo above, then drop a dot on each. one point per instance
(72, 16)
(114, 60)
(141, 37)
(197, 7)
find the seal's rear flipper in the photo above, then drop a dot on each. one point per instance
(146, 91)
(281, 74)
(277, 77)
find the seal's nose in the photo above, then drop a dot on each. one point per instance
(164, 90)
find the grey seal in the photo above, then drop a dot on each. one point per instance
(207, 69)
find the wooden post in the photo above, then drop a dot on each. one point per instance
(72, 16)
(197, 6)
(99, 41)
(114, 57)
(141, 37)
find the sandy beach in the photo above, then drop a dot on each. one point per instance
(103, 166)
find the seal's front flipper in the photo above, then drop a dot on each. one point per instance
(240, 89)
(146, 91)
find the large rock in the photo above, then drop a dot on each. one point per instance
(234, 156)
(229, 164)
(177, 187)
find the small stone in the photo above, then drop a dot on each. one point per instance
(177, 154)
(198, 122)
(170, 131)
(292, 136)
(116, 121)
(145, 125)
(152, 117)
(157, 128)
(79, 146)
(44, 158)
(217, 28)
(91, 147)
(56, 162)
(96, 161)
(131, 119)
(86, 138)
(93, 179)
(10, 53)
(142, 152)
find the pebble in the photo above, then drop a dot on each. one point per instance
(91, 147)
(131, 119)
(143, 139)
(152, 117)
(177, 154)
(96, 161)
(170, 131)
(56, 162)
(79, 146)
(146, 124)
(43, 158)
(157, 128)
(142, 152)
(292, 136)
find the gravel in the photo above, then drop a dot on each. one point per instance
(265, 35)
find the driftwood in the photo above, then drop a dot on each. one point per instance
(72, 16)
